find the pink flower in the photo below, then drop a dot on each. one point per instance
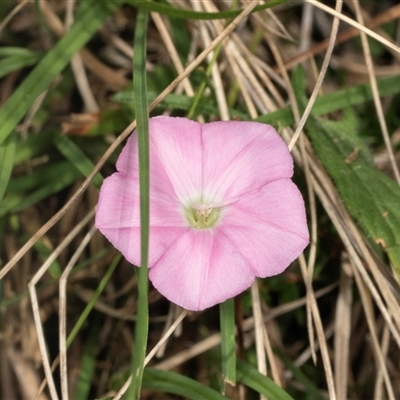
(223, 209)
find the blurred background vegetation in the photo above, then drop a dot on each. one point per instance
(327, 328)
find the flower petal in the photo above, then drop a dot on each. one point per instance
(177, 143)
(118, 209)
(200, 270)
(240, 157)
(268, 227)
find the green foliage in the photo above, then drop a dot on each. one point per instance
(15, 58)
(371, 197)
(89, 18)
(250, 377)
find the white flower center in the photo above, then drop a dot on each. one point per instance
(203, 216)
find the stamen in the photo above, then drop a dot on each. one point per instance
(202, 216)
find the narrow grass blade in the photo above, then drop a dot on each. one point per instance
(249, 376)
(310, 387)
(88, 20)
(88, 364)
(142, 119)
(228, 342)
(12, 59)
(77, 157)
(83, 317)
(7, 152)
(171, 382)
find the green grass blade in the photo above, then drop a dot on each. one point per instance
(228, 341)
(250, 377)
(299, 376)
(171, 382)
(7, 152)
(77, 157)
(88, 20)
(103, 283)
(88, 363)
(12, 59)
(142, 119)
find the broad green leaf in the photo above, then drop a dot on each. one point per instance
(370, 196)
(171, 382)
(250, 377)
(90, 16)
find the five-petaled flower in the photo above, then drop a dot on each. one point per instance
(223, 208)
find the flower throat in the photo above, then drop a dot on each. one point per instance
(203, 216)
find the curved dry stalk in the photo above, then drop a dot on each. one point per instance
(35, 302)
(63, 312)
(321, 76)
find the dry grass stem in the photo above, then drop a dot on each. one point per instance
(258, 331)
(318, 84)
(63, 312)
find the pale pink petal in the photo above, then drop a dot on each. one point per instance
(127, 241)
(177, 144)
(268, 227)
(240, 157)
(202, 268)
(118, 209)
(118, 219)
